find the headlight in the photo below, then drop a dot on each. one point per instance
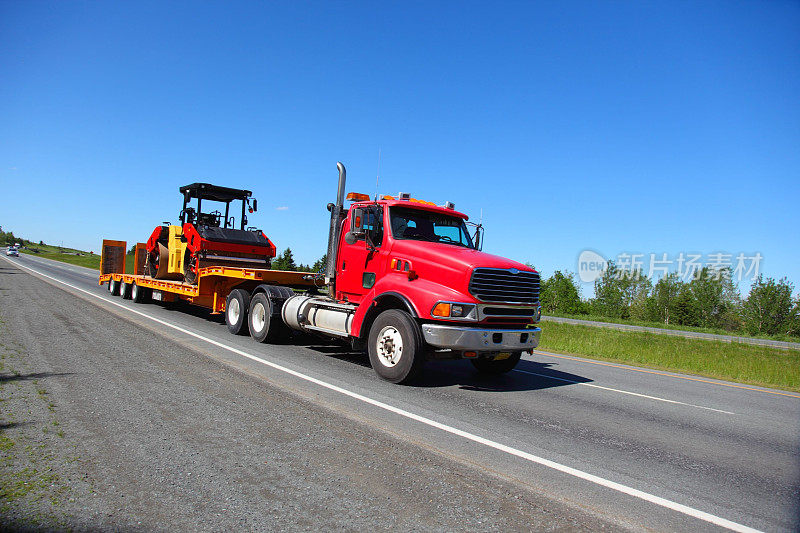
(459, 311)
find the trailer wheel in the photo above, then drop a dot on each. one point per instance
(113, 286)
(236, 307)
(264, 325)
(490, 366)
(125, 290)
(395, 345)
(139, 294)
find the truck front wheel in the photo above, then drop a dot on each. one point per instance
(497, 366)
(396, 349)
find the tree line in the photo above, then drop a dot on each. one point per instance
(285, 261)
(709, 299)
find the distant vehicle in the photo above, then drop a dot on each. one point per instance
(12, 251)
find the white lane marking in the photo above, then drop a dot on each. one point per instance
(623, 391)
(636, 493)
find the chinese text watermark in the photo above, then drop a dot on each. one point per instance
(687, 266)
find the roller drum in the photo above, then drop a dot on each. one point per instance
(160, 269)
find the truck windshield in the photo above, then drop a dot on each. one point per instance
(418, 224)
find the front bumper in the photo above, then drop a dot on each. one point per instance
(480, 339)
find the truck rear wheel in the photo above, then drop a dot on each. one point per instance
(113, 286)
(125, 290)
(236, 307)
(395, 345)
(500, 366)
(139, 294)
(264, 325)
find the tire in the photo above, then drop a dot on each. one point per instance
(189, 263)
(264, 324)
(114, 287)
(236, 307)
(125, 290)
(139, 294)
(395, 345)
(490, 366)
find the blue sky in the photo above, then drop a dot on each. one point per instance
(618, 127)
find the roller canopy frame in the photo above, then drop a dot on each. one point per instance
(216, 193)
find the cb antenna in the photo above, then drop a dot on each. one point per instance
(378, 176)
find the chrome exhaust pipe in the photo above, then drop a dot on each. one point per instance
(335, 230)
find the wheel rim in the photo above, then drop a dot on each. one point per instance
(259, 317)
(389, 346)
(233, 311)
(134, 291)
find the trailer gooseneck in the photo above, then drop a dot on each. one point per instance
(404, 278)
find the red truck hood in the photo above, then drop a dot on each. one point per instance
(451, 257)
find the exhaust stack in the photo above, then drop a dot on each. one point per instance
(335, 230)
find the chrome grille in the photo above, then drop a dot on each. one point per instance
(501, 285)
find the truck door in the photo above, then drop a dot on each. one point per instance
(360, 263)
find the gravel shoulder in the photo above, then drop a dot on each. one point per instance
(106, 425)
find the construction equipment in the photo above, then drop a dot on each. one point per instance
(207, 238)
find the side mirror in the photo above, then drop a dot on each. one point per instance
(478, 237)
(357, 223)
(255, 204)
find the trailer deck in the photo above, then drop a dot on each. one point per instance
(214, 283)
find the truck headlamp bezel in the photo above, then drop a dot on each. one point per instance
(455, 310)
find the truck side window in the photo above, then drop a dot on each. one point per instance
(373, 223)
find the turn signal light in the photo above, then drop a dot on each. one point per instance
(441, 309)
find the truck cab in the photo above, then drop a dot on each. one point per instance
(407, 278)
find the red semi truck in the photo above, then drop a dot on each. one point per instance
(405, 279)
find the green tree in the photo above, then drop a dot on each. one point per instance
(609, 297)
(686, 307)
(795, 321)
(716, 299)
(320, 264)
(285, 261)
(559, 295)
(665, 297)
(769, 307)
(637, 294)
(620, 292)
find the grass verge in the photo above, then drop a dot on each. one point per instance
(660, 325)
(71, 256)
(743, 363)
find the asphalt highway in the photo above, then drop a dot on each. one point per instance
(581, 443)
